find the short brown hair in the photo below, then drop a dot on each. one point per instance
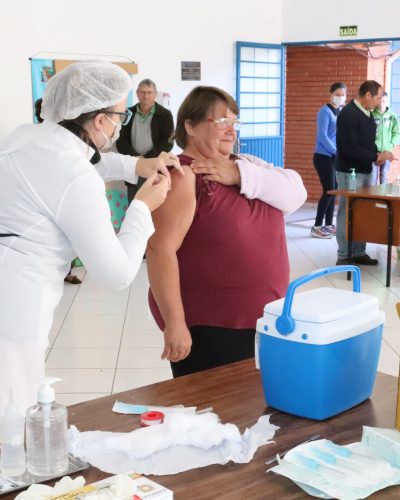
(369, 86)
(196, 107)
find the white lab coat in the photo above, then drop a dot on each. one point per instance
(54, 199)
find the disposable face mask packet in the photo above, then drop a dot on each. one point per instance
(131, 409)
(385, 443)
(327, 470)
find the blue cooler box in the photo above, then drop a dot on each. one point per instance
(318, 350)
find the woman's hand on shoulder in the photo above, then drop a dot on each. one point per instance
(146, 167)
(224, 171)
(177, 342)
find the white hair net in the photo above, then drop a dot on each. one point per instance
(83, 87)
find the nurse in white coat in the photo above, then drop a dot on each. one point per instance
(53, 208)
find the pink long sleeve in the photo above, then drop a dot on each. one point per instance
(281, 188)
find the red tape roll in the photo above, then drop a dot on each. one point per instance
(151, 418)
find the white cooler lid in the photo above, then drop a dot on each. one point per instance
(325, 304)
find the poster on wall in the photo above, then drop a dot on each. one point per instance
(191, 70)
(42, 70)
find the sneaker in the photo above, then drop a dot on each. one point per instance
(72, 279)
(320, 232)
(365, 260)
(330, 229)
(344, 262)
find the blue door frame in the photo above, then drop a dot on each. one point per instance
(260, 85)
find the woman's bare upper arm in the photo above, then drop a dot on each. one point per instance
(174, 217)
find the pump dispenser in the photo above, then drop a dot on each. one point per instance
(46, 433)
(12, 462)
(353, 180)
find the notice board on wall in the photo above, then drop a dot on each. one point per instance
(190, 70)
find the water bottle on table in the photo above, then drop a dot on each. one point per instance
(12, 434)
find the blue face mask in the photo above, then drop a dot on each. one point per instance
(127, 409)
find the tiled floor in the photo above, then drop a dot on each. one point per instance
(104, 342)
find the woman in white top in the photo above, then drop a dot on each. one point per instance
(53, 207)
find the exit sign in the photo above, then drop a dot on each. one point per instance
(348, 30)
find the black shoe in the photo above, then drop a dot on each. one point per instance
(72, 279)
(365, 260)
(344, 262)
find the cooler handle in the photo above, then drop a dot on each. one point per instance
(285, 324)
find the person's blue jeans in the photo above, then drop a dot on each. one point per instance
(380, 173)
(358, 247)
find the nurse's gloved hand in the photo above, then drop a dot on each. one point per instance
(145, 167)
(154, 191)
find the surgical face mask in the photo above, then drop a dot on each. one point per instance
(110, 140)
(338, 100)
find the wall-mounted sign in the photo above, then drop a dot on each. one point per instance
(348, 30)
(191, 70)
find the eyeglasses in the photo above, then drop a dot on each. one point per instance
(224, 123)
(125, 116)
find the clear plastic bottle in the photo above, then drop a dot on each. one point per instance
(46, 433)
(396, 185)
(12, 461)
(353, 180)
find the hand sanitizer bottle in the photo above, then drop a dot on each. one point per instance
(46, 433)
(353, 180)
(12, 434)
(396, 185)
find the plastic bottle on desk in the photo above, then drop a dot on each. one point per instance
(46, 433)
(353, 180)
(396, 185)
(12, 434)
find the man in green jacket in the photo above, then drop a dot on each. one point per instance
(387, 136)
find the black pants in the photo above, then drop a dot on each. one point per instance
(214, 346)
(325, 166)
(133, 188)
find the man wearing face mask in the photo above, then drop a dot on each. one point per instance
(356, 149)
(324, 160)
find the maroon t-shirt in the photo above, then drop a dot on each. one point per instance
(233, 259)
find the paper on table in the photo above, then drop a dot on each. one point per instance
(39, 491)
(181, 443)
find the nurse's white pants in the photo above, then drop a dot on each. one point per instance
(22, 361)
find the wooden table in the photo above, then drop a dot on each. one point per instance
(373, 215)
(235, 393)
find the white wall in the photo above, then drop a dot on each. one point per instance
(157, 35)
(318, 20)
